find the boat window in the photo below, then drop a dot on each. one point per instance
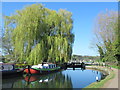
(2, 67)
(8, 68)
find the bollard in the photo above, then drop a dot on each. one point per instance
(29, 69)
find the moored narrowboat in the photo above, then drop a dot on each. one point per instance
(9, 69)
(42, 69)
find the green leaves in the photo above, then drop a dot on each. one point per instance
(107, 34)
(40, 34)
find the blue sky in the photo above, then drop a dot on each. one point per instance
(84, 14)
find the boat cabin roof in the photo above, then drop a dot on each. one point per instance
(6, 64)
(47, 64)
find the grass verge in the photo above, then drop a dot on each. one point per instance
(113, 66)
(102, 82)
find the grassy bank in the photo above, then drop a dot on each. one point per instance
(102, 82)
(113, 66)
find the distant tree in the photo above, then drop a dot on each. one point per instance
(6, 45)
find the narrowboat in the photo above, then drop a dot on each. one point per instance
(42, 68)
(9, 69)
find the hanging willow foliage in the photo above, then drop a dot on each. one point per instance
(40, 34)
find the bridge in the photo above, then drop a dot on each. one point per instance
(74, 65)
(77, 64)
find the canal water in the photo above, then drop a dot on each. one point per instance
(64, 79)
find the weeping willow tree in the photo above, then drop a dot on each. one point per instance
(39, 34)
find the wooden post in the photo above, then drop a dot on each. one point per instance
(29, 69)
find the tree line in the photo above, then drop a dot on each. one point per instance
(86, 58)
(37, 34)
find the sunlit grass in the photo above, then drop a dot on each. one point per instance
(113, 66)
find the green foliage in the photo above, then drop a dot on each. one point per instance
(100, 50)
(108, 35)
(114, 66)
(40, 34)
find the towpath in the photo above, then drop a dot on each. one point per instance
(113, 83)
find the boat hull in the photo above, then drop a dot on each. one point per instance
(31, 71)
(9, 73)
(34, 71)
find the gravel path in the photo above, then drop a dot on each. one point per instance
(113, 83)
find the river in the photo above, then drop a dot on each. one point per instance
(68, 78)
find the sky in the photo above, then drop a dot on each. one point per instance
(59, 0)
(84, 15)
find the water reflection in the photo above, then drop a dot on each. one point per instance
(69, 78)
(9, 83)
(54, 80)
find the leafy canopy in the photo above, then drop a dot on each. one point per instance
(39, 34)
